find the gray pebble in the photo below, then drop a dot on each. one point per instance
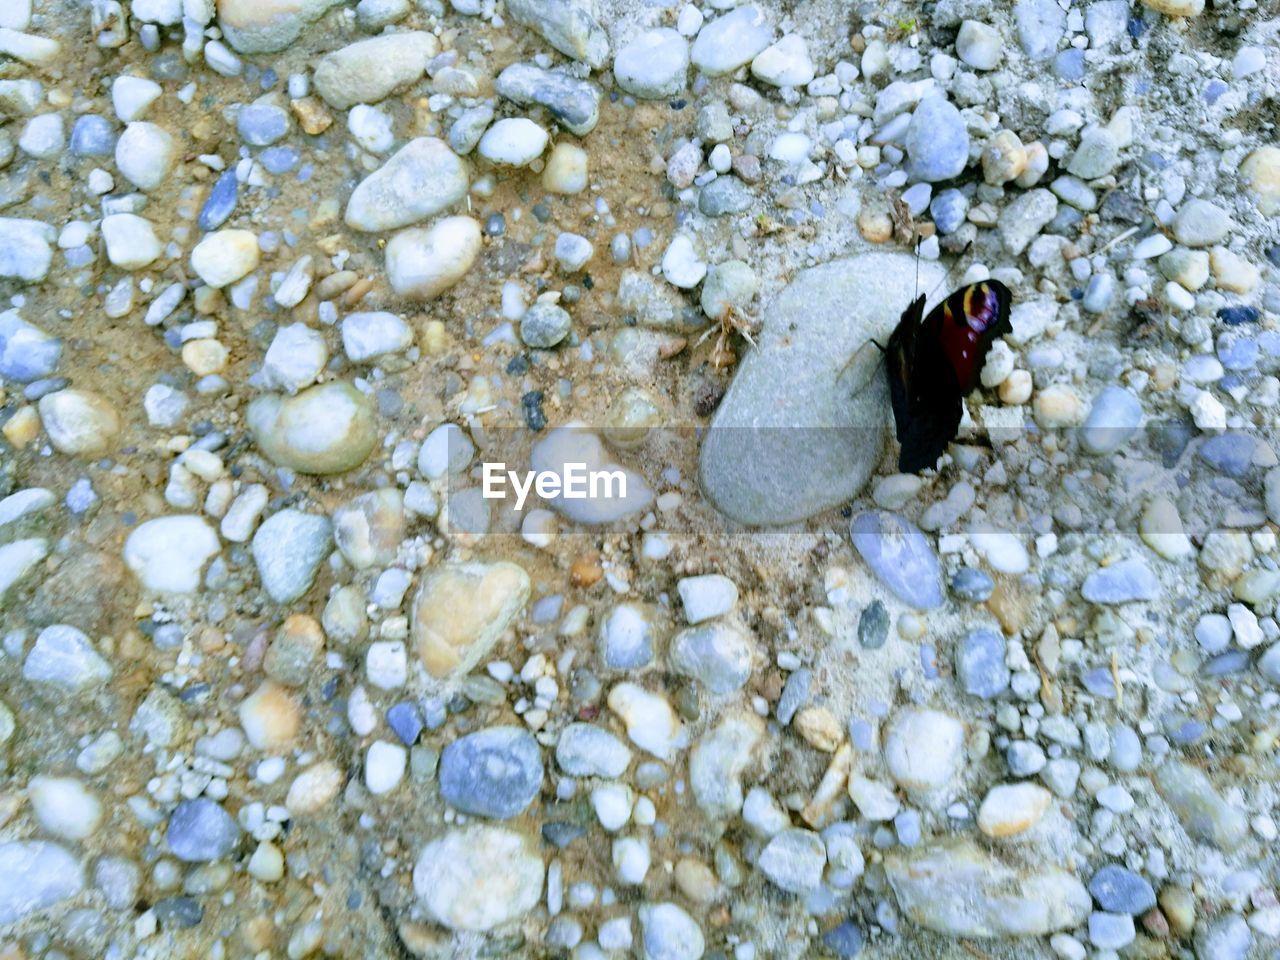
(980, 665)
(495, 772)
(200, 831)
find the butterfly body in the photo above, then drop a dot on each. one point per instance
(934, 361)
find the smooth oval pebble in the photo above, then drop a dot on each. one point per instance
(494, 772)
(900, 556)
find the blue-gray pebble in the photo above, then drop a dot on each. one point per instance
(900, 556)
(980, 664)
(200, 831)
(262, 124)
(1120, 890)
(495, 772)
(1122, 582)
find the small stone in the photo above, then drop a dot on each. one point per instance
(478, 877)
(295, 358)
(324, 429)
(1126, 581)
(979, 45)
(704, 597)
(586, 750)
(1111, 931)
(314, 788)
(374, 334)
(27, 353)
(961, 891)
(729, 285)
(200, 831)
(875, 801)
(937, 142)
(514, 142)
(568, 25)
(718, 655)
(566, 170)
(422, 263)
(574, 103)
(668, 933)
(1025, 217)
(680, 263)
(462, 609)
(131, 241)
(544, 325)
(731, 41)
(1260, 173)
(262, 124)
(900, 556)
(145, 154)
(495, 772)
(980, 664)
(1115, 416)
(793, 860)
(368, 71)
(1200, 223)
(724, 196)
(1120, 890)
(654, 65)
(1202, 810)
(651, 723)
(1041, 25)
(288, 550)
(922, 749)
(1012, 808)
(785, 64)
(270, 717)
(1176, 8)
(423, 178)
(64, 657)
(79, 422)
(225, 256)
(37, 875)
(1097, 154)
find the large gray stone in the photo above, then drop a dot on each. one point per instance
(802, 428)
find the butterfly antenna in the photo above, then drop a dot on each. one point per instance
(942, 282)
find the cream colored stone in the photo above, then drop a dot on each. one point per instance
(270, 717)
(1260, 173)
(1232, 271)
(462, 609)
(1012, 808)
(314, 788)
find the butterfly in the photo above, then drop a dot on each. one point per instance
(935, 360)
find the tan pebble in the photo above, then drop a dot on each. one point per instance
(313, 116)
(910, 626)
(1179, 906)
(875, 225)
(586, 570)
(267, 863)
(1232, 272)
(78, 421)
(696, 880)
(314, 788)
(1004, 158)
(1012, 808)
(1057, 406)
(270, 717)
(819, 728)
(434, 338)
(1016, 388)
(566, 170)
(1176, 8)
(1260, 173)
(205, 357)
(1036, 166)
(22, 427)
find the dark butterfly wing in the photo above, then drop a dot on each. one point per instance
(923, 392)
(936, 360)
(966, 324)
